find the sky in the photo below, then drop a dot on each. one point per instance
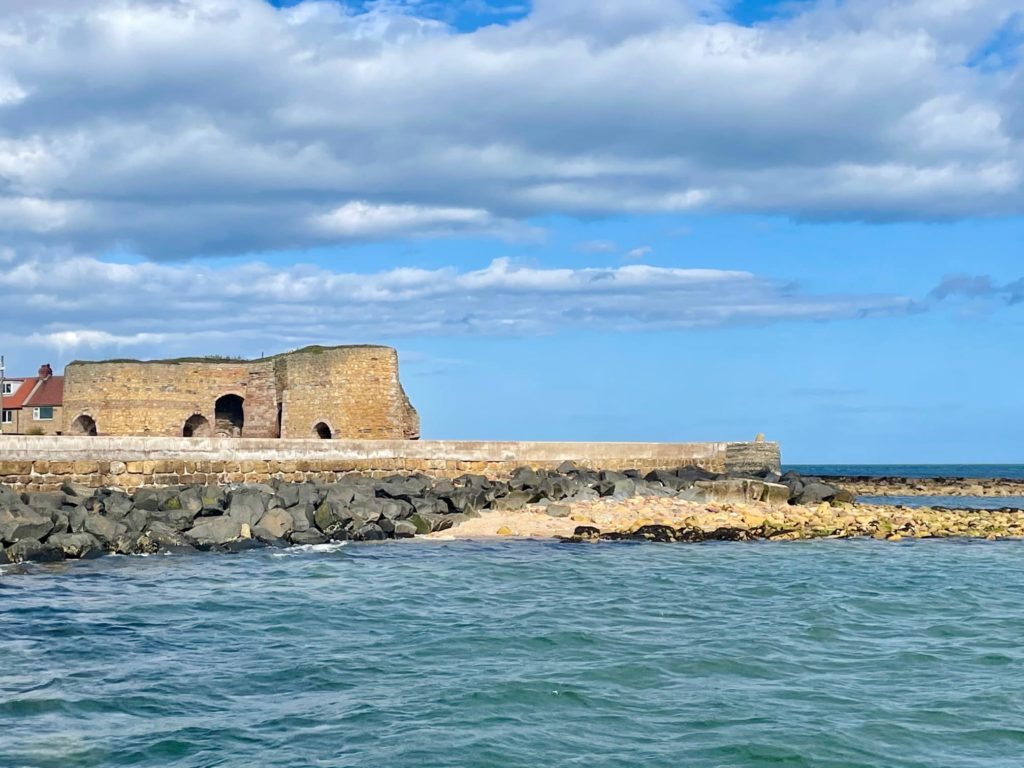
(665, 220)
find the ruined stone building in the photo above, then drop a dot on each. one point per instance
(326, 392)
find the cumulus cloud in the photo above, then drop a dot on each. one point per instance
(98, 307)
(191, 127)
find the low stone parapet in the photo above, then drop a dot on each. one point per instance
(44, 463)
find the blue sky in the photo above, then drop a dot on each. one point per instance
(575, 219)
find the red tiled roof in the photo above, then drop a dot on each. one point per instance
(49, 392)
(17, 400)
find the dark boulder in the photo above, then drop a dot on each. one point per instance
(583, 494)
(340, 494)
(287, 494)
(177, 518)
(668, 479)
(302, 516)
(275, 524)
(554, 488)
(60, 521)
(524, 478)
(165, 537)
(76, 545)
(513, 501)
(137, 519)
(815, 493)
(442, 487)
(246, 505)
(396, 509)
(429, 523)
(467, 500)
(210, 531)
(190, 499)
(310, 536)
(363, 512)
(76, 519)
(330, 516)
(471, 481)
(369, 532)
(150, 499)
(692, 474)
(103, 528)
(42, 502)
(20, 521)
(118, 504)
(215, 500)
(31, 550)
(622, 488)
(404, 529)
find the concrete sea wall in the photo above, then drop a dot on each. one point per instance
(44, 463)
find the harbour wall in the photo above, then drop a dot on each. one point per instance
(43, 463)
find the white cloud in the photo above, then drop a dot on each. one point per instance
(183, 127)
(360, 219)
(639, 252)
(80, 304)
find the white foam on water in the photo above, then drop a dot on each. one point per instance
(298, 549)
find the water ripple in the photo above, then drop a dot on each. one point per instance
(828, 653)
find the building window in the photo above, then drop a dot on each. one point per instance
(8, 387)
(44, 413)
(8, 417)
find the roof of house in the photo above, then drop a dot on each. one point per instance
(50, 391)
(17, 399)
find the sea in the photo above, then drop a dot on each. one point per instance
(827, 653)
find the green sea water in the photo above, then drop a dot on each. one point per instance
(827, 653)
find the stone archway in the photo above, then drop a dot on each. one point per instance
(196, 426)
(83, 425)
(229, 416)
(323, 430)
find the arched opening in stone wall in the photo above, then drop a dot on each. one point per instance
(229, 416)
(83, 425)
(196, 426)
(280, 419)
(322, 431)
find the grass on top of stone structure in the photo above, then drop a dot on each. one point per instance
(313, 349)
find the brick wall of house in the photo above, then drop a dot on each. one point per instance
(24, 422)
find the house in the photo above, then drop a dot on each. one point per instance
(35, 405)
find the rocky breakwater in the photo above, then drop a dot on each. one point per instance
(78, 522)
(863, 485)
(687, 504)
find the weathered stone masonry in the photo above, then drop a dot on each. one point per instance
(44, 463)
(338, 392)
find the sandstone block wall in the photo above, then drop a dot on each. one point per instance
(355, 391)
(44, 463)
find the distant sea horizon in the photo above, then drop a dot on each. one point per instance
(1006, 471)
